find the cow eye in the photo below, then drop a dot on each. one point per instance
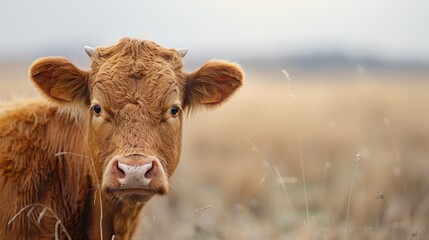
(174, 110)
(97, 109)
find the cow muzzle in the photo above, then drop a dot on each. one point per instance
(136, 174)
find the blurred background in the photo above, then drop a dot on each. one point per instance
(328, 139)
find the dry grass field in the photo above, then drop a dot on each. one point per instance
(327, 155)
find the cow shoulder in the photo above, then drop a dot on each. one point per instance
(33, 168)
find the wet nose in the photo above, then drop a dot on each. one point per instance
(135, 171)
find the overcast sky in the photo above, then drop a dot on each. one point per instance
(386, 28)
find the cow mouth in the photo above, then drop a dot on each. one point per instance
(138, 191)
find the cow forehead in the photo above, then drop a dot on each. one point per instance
(148, 86)
(135, 70)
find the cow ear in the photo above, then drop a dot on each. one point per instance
(59, 79)
(213, 83)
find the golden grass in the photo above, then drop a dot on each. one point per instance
(241, 173)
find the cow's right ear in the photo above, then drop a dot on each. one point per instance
(59, 80)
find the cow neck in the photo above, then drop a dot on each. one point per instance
(119, 219)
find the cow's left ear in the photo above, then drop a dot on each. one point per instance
(59, 79)
(213, 83)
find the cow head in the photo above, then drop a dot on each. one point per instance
(131, 105)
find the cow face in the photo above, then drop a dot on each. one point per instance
(131, 106)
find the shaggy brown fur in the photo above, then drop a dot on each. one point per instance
(55, 159)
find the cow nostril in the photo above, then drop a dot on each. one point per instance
(118, 171)
(151, 173)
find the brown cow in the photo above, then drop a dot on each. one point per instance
(83, 165)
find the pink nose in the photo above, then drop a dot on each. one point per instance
(135, 172)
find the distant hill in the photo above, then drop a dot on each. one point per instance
(314, 61)
(323, 61)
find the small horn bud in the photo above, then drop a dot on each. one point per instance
(90, 51)
(182, 52)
